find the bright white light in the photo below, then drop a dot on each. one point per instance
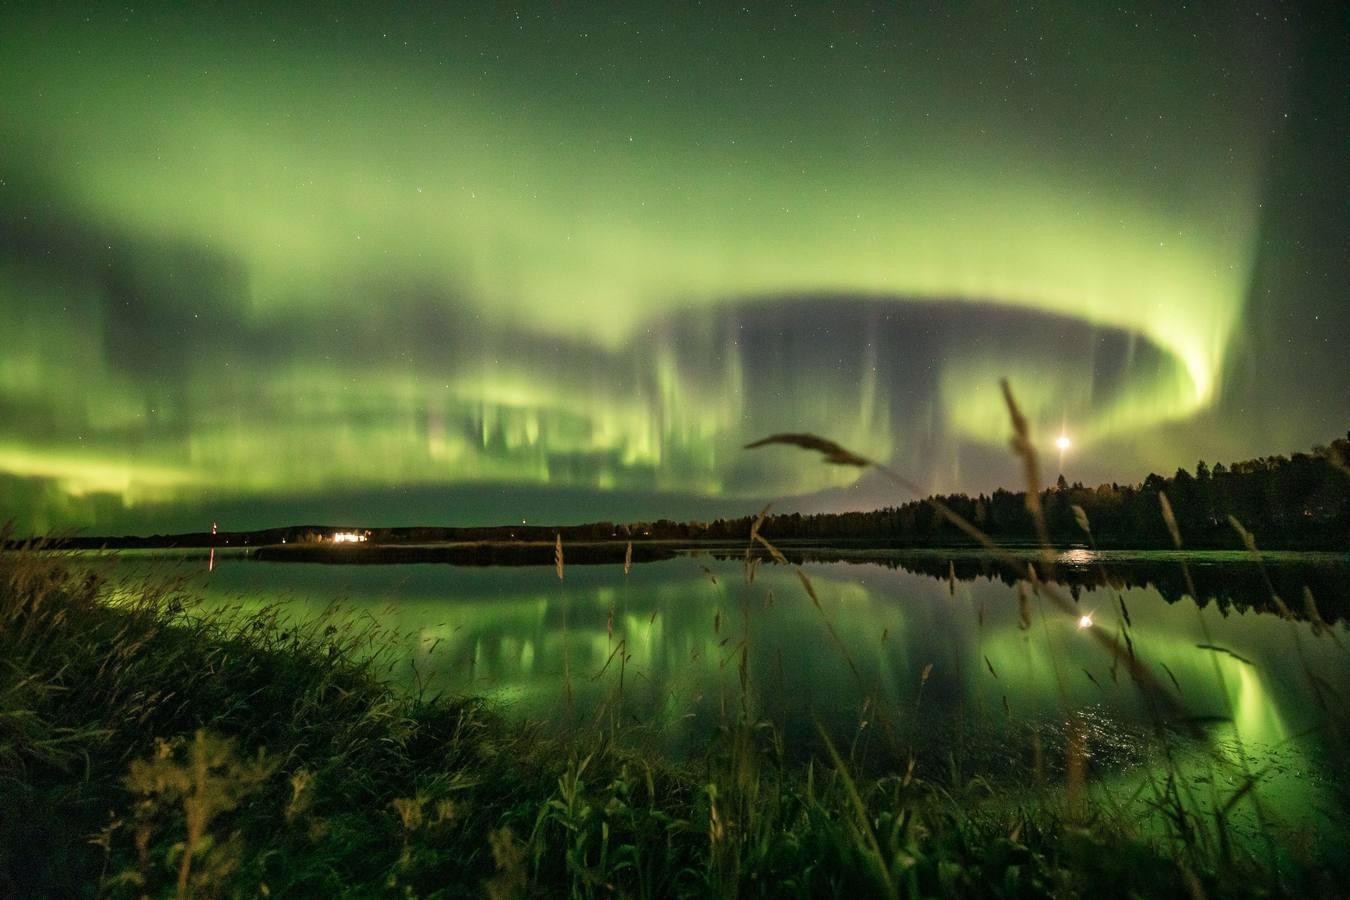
(348, 537)
(1085, 621)
(1063, 442)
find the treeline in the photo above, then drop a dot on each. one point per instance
(1299, 501)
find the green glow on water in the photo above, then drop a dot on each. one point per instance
(511, 634)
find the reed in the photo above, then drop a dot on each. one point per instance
(150, 748)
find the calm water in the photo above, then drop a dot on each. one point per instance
(661, 650)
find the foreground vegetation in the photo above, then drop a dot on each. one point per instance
(147, 749)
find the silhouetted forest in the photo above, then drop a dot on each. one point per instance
(1301, 501)
(1296, 502)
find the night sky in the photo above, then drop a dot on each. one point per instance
(476, 263)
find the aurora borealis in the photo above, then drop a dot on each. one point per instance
(472, 265)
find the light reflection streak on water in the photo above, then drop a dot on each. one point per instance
(498, 632)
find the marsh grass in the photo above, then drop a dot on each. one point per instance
(1201, 836)
(150, 748)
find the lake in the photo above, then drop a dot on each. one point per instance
(934, 654)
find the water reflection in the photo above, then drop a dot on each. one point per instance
(668, 645)
(1233, 581)
(925, 654)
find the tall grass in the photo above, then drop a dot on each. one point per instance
(148, 748)
(1201, 836)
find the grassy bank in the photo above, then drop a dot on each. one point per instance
(148, 749)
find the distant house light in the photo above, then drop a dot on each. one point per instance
(349, 537)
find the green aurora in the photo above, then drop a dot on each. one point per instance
(390, 266)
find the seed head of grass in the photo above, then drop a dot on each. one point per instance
(1171, 520)
(833, 453)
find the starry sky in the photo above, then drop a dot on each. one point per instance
(462, 264)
